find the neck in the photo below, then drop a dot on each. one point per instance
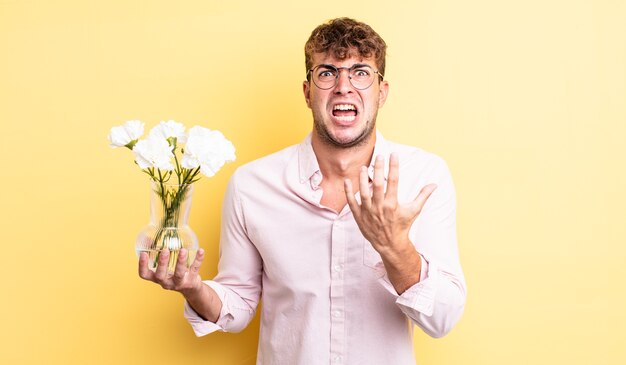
(342, 163)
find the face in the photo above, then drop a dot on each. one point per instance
(344, 116)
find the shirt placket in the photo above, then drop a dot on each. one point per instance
(337, 299)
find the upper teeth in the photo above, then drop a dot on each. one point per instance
(344, 107)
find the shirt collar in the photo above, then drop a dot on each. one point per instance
(307, 162)
(308, 166)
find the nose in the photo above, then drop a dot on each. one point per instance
(344, 84)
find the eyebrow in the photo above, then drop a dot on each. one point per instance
(356, 65)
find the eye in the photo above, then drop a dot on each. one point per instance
(361, 72)
(326, 73)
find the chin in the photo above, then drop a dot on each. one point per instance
(342, 139)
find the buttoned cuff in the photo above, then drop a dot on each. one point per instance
(203, 327)
(419, 297)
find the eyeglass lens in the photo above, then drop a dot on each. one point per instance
(327, 76)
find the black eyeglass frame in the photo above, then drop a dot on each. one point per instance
(338, 69)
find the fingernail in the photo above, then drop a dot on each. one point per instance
(201, 251)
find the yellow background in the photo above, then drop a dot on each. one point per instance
(524, 99)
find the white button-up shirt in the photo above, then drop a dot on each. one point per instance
(326, 296)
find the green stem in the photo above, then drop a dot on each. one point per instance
(178, 169)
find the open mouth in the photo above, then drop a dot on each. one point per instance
(344, 112)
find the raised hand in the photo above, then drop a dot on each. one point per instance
(382, 220)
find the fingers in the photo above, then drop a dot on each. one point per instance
(181, 266)
(392, 179)
(179, 280)
(161, 272)
(160, 275)
(352, 203)
(197, 262)
(379, 180)
(364, 188)
(144, 271)
(420, 200)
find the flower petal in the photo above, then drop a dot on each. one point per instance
(169, 129)
(154, 152)
(121, 136)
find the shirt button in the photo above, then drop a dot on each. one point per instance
(338, 268)
(336, 314)
(337, 358)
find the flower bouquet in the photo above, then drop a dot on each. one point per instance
(173, 159)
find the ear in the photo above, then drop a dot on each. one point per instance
(382, 93)
(306, 89)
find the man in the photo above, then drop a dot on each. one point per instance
(347, 238)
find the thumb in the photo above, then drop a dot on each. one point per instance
(420, 200)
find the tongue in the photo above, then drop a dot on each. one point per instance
(344, 113)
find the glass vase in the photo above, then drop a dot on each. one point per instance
(168, 228)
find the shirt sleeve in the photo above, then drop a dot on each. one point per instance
(437, 301)
(238, 282)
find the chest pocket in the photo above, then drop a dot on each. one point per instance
(370, 256)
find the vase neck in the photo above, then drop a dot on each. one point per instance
(170, 204)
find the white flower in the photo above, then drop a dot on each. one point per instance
(170, 129)
(154, 152)
(207, 149)
(123, 135)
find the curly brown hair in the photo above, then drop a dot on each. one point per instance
(342, 37)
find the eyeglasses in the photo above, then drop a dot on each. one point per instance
(326, 76)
